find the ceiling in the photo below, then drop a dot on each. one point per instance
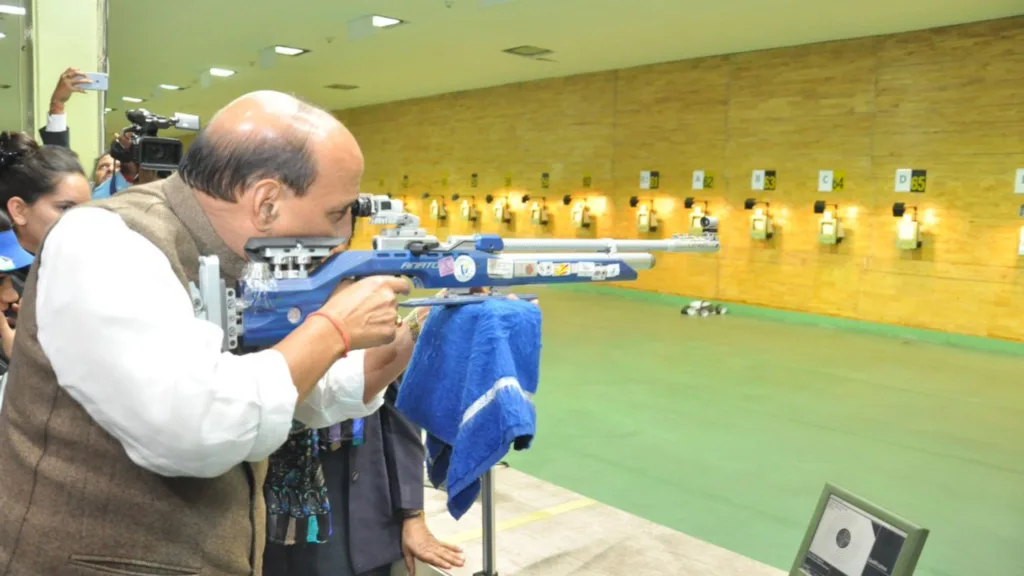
(452, 45)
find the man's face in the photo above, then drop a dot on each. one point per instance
(326, 208)
(105, 168)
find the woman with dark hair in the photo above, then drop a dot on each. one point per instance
(37, 185)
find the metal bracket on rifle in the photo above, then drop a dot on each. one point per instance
(213, 301)
(405, 232)
(291, 257)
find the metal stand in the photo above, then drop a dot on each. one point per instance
(489, 528)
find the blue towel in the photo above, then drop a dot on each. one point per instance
(470, 385)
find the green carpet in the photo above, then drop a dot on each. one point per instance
(727, 428)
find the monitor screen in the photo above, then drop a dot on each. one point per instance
(851, 542)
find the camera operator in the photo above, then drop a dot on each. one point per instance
(125, 170)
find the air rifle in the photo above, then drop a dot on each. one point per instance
(289, 278)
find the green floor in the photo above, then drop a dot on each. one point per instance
(727, 428)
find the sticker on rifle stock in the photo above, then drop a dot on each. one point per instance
(465, 268)
(585, 269)
(600, 273)
(612, 270)
(500, 268)
(446, 266)
(525, 270)
(563, 269)
(546, 269)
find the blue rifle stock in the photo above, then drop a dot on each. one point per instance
(299, 274)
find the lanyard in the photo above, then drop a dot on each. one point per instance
(357, 432)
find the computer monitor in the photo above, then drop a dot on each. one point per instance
(849, 536)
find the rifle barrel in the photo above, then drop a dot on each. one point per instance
(682, 244)
(635, 260)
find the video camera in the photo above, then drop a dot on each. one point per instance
(146, 149)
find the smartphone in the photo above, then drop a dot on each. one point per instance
(97, 81)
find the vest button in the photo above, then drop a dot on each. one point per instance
(355, 477)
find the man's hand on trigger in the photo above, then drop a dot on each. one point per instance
(368, 308)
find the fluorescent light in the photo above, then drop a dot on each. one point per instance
(132, 99)
(170, 87)
(222, 72)
(8, 9)
(289, 51)
(107, 110)
(384, 21)
(2, 35)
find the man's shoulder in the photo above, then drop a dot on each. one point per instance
(139, 199)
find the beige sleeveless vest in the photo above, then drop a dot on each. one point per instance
(71, 501)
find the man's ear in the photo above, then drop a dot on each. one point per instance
(266, 198)
(17, 208)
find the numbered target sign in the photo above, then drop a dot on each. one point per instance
(1018, 186)
(698, 180)
(762, 180)
(831, 180)
(911, 180)
(825, 180)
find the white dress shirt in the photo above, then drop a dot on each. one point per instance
(123, 339)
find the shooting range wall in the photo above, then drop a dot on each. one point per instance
(949, 101)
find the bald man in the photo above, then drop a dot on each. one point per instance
(129, 442)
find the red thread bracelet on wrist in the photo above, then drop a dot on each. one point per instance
(337, 326)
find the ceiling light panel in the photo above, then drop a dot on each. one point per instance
(15, 10)
(384, 21)
(170, 87)
(221, 72)
(132, 99)
(289, 51)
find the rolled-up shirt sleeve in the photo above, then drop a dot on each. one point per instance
(121, 334)
(339, 395)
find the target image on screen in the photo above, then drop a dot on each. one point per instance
(850, 542)
(849, 536)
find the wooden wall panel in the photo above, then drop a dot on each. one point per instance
(946, 100)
